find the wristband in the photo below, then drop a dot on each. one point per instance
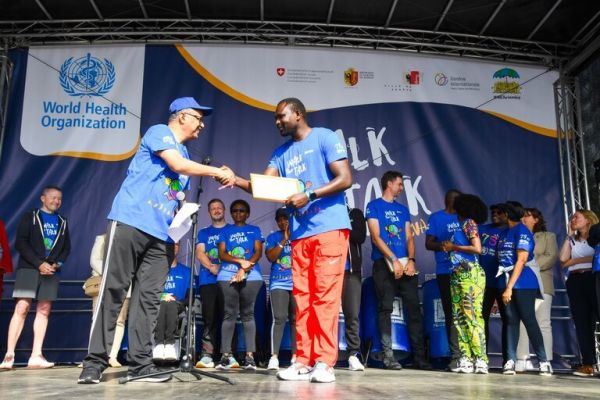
(280, 245)
(412, 259)
(310, 194)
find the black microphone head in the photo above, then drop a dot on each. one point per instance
(207, 160)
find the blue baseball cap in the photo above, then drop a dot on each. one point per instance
(188, 102)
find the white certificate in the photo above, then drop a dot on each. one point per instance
(273, 188)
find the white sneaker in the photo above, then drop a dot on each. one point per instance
(354, 364)
(295, 372)
(521, 366)
(322, 373)
(466, 366)
(170, 352)
(159, 352)
(509, 368)
(481, 367)
(273, 363)
(545, 368)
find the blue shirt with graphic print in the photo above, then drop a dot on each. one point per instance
(517, 238)
(210, 237)
(178, 281)
(490, 236)
(147, 198)
(50, 226)
(281, 270)
(392, 218)
(239, 243)
(308, 160)
(441, 226)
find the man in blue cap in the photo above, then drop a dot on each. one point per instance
(138, 247)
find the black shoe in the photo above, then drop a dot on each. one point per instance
(250, 363)
(390, 363)
(422, 364)
(151, 370)
(90, 375)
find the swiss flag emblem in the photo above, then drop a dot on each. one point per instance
(280, 71)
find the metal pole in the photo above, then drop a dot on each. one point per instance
(558, 100)
(586, 190)
(5, 80)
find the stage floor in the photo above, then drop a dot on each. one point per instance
(60, 382)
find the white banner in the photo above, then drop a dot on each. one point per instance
(83, 101)
(331, 78)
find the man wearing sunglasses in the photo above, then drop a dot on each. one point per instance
(320, 228)
(138, 246)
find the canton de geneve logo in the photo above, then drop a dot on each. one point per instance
(87, 76)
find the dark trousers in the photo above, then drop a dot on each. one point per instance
(443, 282)
(239, 298)
(490, 296)
(351, 307)
(407, 287)
(212, 313)
(167, 322)
(131, 255)
(581, 289)
(522, 308)
(283, 308)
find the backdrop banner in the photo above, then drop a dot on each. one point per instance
(77, 113)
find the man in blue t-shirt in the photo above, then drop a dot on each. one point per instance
(43, 244)
(319, 234)
(138, 245)
(394, 269)
(441, 226)
(207, 252)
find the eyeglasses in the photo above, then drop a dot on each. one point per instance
(238, 210)
(195, 116)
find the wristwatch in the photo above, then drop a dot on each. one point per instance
(312, 196)
(412, 259)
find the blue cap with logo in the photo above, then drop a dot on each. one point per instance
(188, 102)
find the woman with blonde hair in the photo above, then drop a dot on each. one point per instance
(576, 256)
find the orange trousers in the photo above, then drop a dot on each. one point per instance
(318, 274)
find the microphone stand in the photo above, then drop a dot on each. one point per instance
(187, 361)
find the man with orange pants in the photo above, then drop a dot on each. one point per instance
(319, 233)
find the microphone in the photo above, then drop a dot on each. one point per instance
(207, 160)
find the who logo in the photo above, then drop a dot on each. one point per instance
(87, 76)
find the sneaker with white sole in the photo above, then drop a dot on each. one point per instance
(481, 367)
(249, 363)
(273, 364)
(354, 364)
(466, 366)
(295, 372)
(322, 373)
(509, 368)
(227, 362)
(454, 365)
(170, 352)
(158, 353)
(206, 361)
(90, 375)
(545, 368)
(521, 366)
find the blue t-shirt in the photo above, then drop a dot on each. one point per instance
(490, 235)
(209, 236)
(239, 243)
(147, 198)
(281, 270)
(517, 238)
(50, 226)
(392, 218)
(308, 160)
(596, 260)
(462, 237)
(178, 281)
(441, 226)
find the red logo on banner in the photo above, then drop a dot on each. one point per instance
(350, 77)
(413, 77)
(280, 71)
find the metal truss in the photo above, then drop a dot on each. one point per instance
(102, 31)
(571, 146)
